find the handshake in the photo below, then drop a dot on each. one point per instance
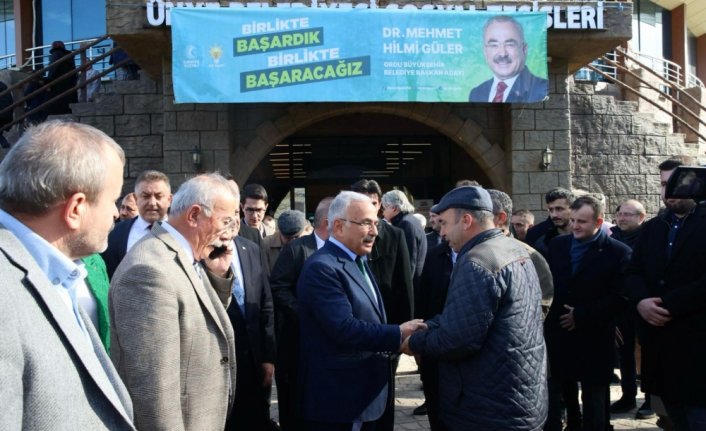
(407, 329)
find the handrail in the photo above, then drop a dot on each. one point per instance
(627, 87)
(669, 97)
(10, 63)
(678, 88)
(75, 88)
(33, 50)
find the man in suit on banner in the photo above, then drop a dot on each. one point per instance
(58, 186)
(505, 52)
(170, 337)
(345, 372)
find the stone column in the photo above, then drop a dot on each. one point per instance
(534, 128)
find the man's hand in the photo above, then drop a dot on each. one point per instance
(409, 328)
(268, 370)
(404, 348)
(567, 320)
(218, 260)
(650, 310)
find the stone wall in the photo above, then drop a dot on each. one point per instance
(191, 126)
(130, 112)
(616, 149)
(534, 128)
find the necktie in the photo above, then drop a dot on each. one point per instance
(500, 92)
(239, 293)
(361, 267)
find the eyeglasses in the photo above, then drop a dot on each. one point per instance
(255, 210)
(366, 224)
(622, 214)
(508, 44)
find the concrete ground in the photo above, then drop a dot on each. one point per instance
(409, 395)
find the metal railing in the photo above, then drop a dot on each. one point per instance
(54, 98)
(625, 63)
(39, 55)
(7, 61)
(666, 69)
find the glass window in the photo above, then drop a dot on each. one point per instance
(88, 19)
(7, 32)
(71, 20)
(56, 21)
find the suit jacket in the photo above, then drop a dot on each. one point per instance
(343, 377)
(673, 354)
(117, 245)
(51, 378)
(416, 243)
(434, 283)
(171, 339)
(389, 261)
(283, 282)
(259, 312)
(271, 247)
(596, 291)
(250, 233)
(527, 88)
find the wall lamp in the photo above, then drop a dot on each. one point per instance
(196, 157)
(547, 157)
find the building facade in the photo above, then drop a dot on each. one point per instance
(601, 137)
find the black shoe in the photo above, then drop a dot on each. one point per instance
(421, 410)
(645, 411)
(623, 405)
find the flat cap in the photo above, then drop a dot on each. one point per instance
(291, 222)
(466, 197)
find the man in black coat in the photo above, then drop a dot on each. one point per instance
(283, 282)
(252, 315)
(587, 268)
(630, 216)
(59, 79)
(433, 287)
(667, 281)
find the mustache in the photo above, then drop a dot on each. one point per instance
(502, 59)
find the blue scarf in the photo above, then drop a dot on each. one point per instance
(579, 249)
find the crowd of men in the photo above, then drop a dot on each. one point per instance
(184, 313)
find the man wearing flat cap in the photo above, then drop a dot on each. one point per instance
(290, 226)
(488, 339)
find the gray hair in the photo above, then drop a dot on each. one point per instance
(51, 162)
(202, 190)
(481, 217)
(322, 211)
(501, 202)
(395, 198)
(339, 205)
(505, 19)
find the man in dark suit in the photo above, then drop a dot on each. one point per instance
(283, 282)
(587, 268)
(252, 315)
(153, 194)
(433, 287)
(345, 339)
(505, 52)
(54, 372)
(391, 265)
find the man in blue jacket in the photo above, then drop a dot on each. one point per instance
(492, 361)
(344, 374)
